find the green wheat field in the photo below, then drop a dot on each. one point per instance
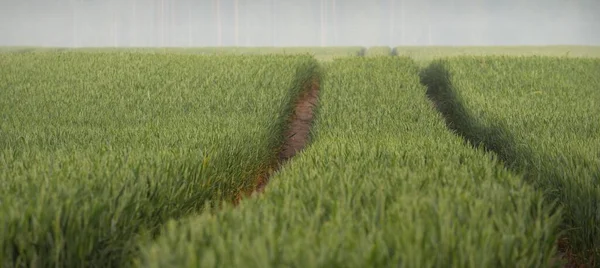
(418, 157)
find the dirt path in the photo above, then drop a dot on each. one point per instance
(297, 134)
(299, 129)
(572, 259)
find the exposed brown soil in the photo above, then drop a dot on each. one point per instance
(296, 135)
(570, 258)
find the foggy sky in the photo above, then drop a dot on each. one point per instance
(196, 23)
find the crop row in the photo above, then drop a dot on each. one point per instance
(383, 183)
(319, 53)
(378, 51)
(421, 54)
(541, 116)
(97, 149)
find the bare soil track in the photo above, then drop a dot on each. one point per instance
(298, 132)
(296, 135)
(574, 259)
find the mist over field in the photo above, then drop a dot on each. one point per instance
(183, 23)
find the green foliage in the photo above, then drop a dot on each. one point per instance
(26, 49)
(424, 55)
(378, 51)
(319, 53)
(97, 149)
(541, 116)
(384, 184)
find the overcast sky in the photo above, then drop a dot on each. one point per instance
(183, 23)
